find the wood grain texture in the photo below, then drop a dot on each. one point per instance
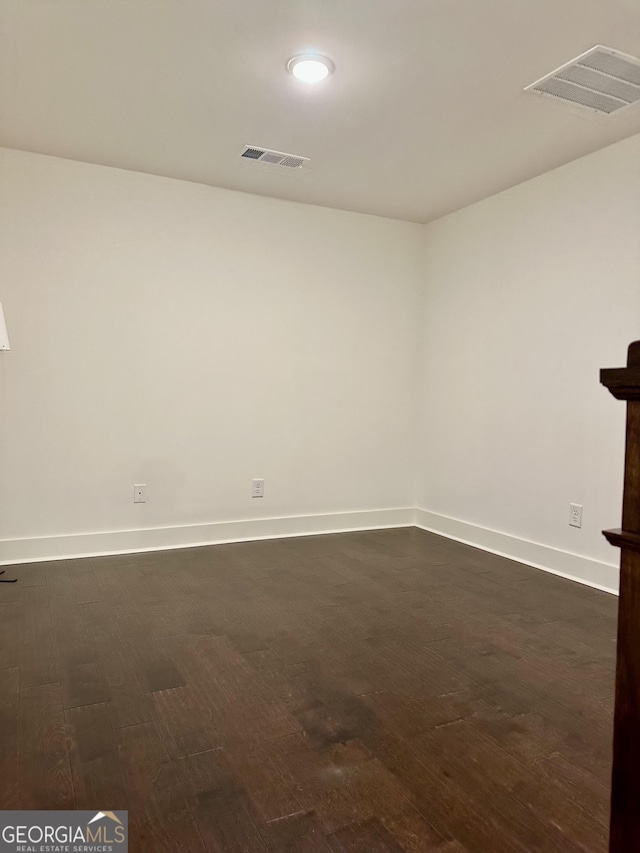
(9, 735)
(388, 690)
(37, 659)
(159, 817)
(10, 634)
(95, 762)
(624, 383)
(44, 769)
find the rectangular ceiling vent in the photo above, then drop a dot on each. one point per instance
(601, 79)
(273, 158)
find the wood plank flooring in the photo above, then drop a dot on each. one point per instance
(380, 691)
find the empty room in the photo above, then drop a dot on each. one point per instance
(319, 426)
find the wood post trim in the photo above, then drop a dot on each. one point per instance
(624, 384)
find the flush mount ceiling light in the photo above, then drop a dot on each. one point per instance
(310, 67)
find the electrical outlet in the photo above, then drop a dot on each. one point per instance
(257, 488)
(140, 493)
(575, 515)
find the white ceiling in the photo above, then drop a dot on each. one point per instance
(425, 112)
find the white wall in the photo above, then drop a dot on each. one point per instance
(192, 338)
(528, 294)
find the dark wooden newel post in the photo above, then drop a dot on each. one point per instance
(624, 383)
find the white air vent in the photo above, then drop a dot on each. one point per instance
(273, 158)
(601, 79)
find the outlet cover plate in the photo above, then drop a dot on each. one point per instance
(575, 515)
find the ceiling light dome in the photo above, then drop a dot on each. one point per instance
(310, 68)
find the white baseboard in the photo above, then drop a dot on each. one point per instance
(70, 546)
(593, 573)
(584, 570)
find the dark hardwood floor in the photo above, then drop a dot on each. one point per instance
(379, 691)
